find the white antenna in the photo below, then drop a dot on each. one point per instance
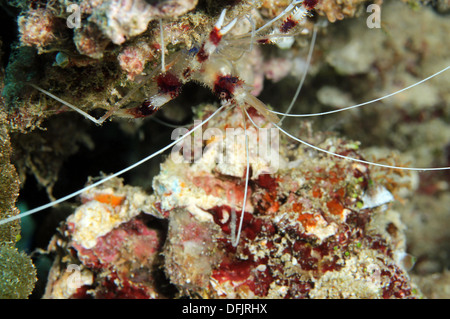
(235, 241)
(365, 103)
(300, 85)
(358, 160)
(67, 197)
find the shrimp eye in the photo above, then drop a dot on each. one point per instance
(224, 86)
(168, 83)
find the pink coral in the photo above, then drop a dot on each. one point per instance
(114, 246)
(133, 59)
(308, 231)
(36, 28)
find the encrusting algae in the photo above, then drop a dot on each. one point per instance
(17, 272)
(312, 225)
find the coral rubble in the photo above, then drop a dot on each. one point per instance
(311, 225)
(111, 250)
(97, 58)
(307, 228)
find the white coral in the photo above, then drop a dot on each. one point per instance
(122, 19)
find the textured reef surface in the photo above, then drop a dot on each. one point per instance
(312, 226)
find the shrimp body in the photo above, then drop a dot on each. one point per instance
(211, 66)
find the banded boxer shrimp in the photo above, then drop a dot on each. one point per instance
(212, 68)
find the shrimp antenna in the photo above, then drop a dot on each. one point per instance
(300, 85)
(78, 192)
(251, 120)
(114, 108)
(73, 107)
(365, 103)
(350, 158)
(252, 23)
(235, 241)
(358, 160)
(164, 123)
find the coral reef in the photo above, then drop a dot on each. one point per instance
(417, 122)
(309, 228)
(114, 42)
(120, 21)
(9, 186)
(36, 28)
